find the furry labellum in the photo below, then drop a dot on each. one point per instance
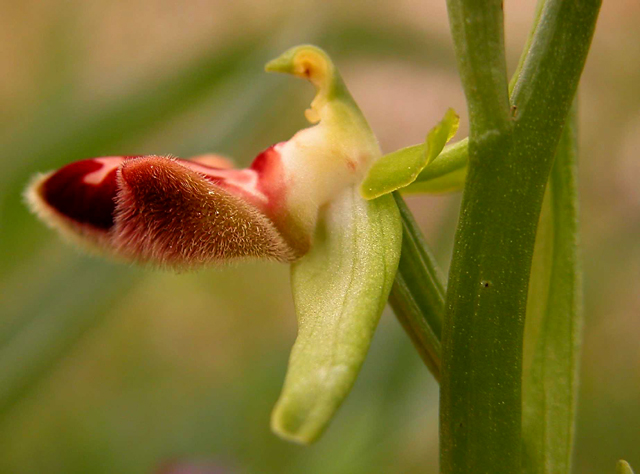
(168, 211)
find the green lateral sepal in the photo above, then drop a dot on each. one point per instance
(340, 289)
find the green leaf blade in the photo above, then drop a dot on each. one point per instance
(554, 321)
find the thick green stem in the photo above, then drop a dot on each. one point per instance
(477, 28)
(482, 339)
(468, 443)
(417, 294)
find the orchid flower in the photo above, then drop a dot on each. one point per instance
(299, 202)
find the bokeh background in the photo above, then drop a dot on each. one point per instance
(106, 368)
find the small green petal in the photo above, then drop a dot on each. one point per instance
(441, 134)
(340, 289)
(446, 173)
(623, 467)
(401, 168)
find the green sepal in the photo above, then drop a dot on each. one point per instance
(340, 289)
(401, 168)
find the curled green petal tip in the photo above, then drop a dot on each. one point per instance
(312, 63)
(305, 61)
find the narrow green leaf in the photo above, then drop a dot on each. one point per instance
(401, 168)
(417, 294)
(340, 289)
(623, 467)
(553, 322)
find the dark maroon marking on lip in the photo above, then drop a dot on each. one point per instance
(84, 203)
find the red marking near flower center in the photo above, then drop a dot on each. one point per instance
(268, 166)
(245, 180)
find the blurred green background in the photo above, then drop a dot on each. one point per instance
(106, 368)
